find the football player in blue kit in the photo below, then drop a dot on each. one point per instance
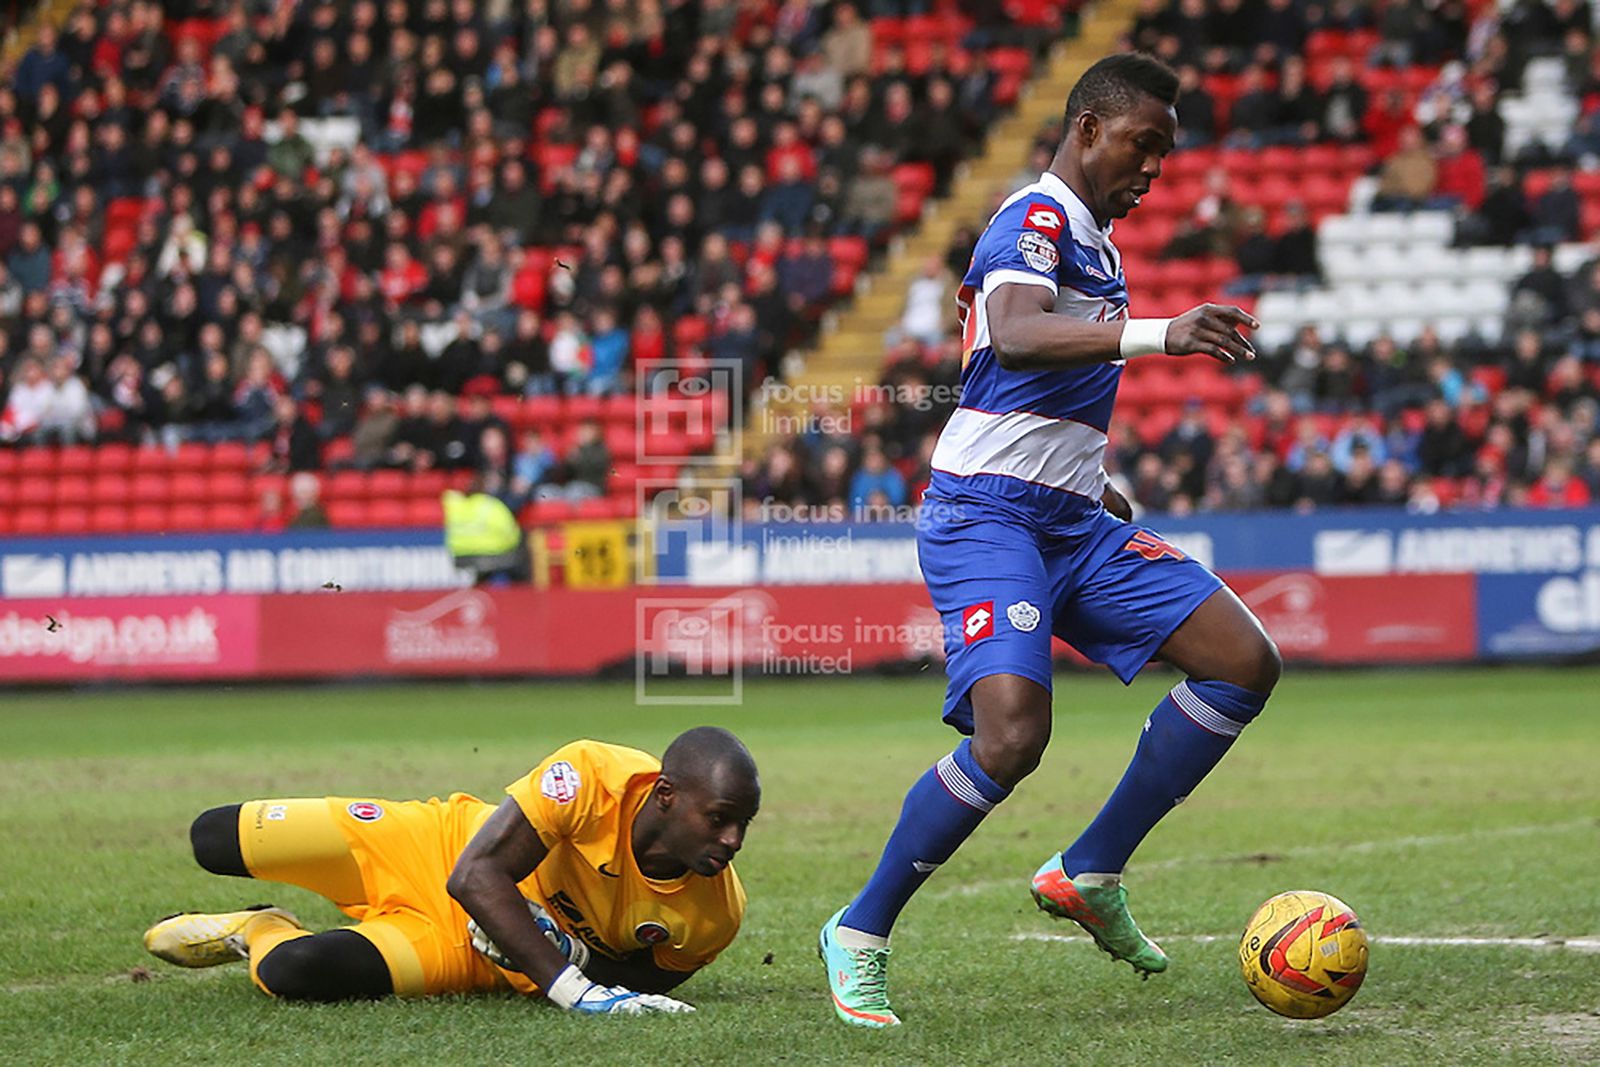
(1021, 537)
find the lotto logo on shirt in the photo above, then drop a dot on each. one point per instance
(977, 622)
(1046, 219)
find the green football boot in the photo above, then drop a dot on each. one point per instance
(1102, 911)
(858, 979)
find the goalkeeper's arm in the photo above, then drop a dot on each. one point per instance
(501, 854)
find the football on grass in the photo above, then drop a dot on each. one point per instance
(1303, 954)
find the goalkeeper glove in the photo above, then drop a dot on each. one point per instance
(574, 992)
(576, 952)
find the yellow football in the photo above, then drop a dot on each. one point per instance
(1303, 954)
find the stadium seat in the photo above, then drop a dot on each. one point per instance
(422, 512)
(71, 520)
(345, 485)
(187, 518)
(545, 512)
(185, 487)
(388, 485)
(32, 522)
(75, 459)
(113, 457)
(35, 492)
(109, 519)
(229, 517)
(345, 514)
(227, 487)
(386, 513)
(73, 490)
(230, 456)
(142, 487)
(147, 518)
(37, 461)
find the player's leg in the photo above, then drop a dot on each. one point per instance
(1146, 599)
(294, 841)
(999, 668)
(1231, 667)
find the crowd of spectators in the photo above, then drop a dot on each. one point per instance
(352, 221)
(1422, 425)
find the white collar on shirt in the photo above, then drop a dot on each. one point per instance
(1076, 208)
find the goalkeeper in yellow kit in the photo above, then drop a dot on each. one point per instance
(601, 882)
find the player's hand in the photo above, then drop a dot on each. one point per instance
(576, 952)
(1212, 330)
(1116, 503)
(573, 991)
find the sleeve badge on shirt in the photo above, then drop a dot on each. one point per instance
(1039, 252)
(1046, 219)
(652, 933)
(560, 782)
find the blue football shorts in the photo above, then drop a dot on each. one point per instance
(1114, 590)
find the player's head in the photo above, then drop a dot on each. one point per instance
(1120, 122)
(707, 794)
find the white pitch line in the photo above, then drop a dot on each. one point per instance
(1574, 944)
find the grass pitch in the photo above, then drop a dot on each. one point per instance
(1439, 804)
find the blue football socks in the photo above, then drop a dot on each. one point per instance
(1183, 739)
(941, 811)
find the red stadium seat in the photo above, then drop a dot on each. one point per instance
(421, 512)
(345, 485)
(113, 457)
(187, 518)
(35, 492)
(230, 456)
(32, 522)
(230, 517)
(186, 487)
(38, 461)
(545, 512)
(386, 513)
(429, 484)
(190, 456)
(344, 514)
(109, 519)
(72, 520)
(142, 487)
(388, 485)
(75, 459)
(73, 490)
(227, 487)
(147, 519)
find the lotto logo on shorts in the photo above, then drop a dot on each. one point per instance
(1151, 547)
(560, 782)
(977, 622)
(365, 810)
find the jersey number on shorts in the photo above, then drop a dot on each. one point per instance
(1151, 547)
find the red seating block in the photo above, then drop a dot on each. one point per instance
(230, 517)
(185, 487)
(388, 485)
(76, 459)
(143, 488)
(73, 490)
(230, 456)
(40, 461)
(35, 492)
(422, 512)
(72, 520)
(32, 522)
(346, 513)
(147, 518)
(187, 518)
(227, 487)
(114, 457)
(386, 513)
(109, 518)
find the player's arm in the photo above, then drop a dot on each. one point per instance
(484, 882)
(1027, 334)
(503, 852)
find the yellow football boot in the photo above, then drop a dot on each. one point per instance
(198, 939)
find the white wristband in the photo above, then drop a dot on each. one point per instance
(1144, 337)
(568, 986)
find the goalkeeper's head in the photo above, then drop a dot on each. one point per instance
(703, 802)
